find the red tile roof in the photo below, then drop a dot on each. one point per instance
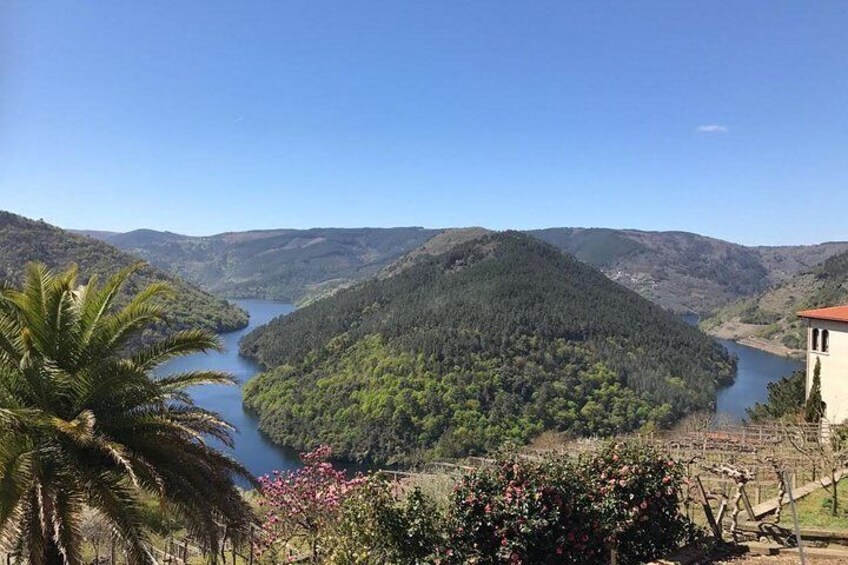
(835, 313)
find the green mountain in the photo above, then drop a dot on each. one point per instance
(681, 271)
(288, 265)
(770, 317)
(23, 240)
(496, 339)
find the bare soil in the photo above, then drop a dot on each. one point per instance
(746, 335)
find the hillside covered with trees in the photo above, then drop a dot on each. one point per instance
(495, 340)
(772, 315)
(288, 265)
(684, 272)
(23, 240)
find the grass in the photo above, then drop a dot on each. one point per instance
(814, 509)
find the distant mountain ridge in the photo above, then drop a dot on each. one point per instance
(681, 271)
(686, 272)
(492, 339)
(770, 317)
(23, 240)
(283, 264)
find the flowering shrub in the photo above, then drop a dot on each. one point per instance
(638, 505)
(522, 512)
(301, 505)
(516, 512)
(561, 511)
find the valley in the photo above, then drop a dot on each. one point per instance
(755, 369)
(452, 283)
(359, 289)
(768, 318)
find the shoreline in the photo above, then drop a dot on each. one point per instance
(737, 333)
(770, 347)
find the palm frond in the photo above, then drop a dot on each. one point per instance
(181, 343)
(84, 423)
(181, 381)
(67, 513)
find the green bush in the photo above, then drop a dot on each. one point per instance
(374, 528)
(564, 511)
(523, 512)
(639, 502)
(792, 341)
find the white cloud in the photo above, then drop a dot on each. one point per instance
(713, 128)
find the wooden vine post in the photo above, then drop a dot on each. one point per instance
(740, 478)
(708, 511)
(781, 486)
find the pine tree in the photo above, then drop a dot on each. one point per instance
(814, 408)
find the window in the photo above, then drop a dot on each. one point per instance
(825, 341)
(815, 342)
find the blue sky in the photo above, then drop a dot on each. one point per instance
(723, 118)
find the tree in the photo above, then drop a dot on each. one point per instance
(95, 530)
(785, 399)
(84, 423)
(302, 506)
(377, 526)
(828, 452)
(814, 407)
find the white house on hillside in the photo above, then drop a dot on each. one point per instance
(827, 340)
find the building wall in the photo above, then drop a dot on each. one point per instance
(834, 368)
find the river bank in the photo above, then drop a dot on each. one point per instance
(746, 334)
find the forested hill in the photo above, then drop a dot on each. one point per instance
(284, 264)
(23, 240)
(497, 339)
(685, 272)
(771, 315)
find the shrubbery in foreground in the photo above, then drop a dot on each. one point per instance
(517, 511)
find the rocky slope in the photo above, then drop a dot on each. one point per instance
(768, 319)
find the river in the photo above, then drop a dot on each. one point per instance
(755, 370)
(252, 448)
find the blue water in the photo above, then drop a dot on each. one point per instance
(252, 448)
(755, 370)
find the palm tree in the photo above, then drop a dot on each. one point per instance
(86, 426)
